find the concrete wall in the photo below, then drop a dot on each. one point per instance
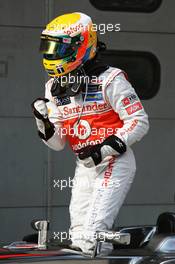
(27, 167)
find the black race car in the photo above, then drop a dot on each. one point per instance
(132, 245)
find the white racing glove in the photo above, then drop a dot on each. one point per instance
(92, 155)
(45, 128)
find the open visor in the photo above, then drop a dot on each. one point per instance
(56, 50)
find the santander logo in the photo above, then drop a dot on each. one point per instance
(73, 29)
(95, 107)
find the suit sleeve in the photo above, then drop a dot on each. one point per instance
(58, 140)
(125, 102)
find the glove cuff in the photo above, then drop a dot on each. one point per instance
(48, 130)
(35, 112)
(116, 143)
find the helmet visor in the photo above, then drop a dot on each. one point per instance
(56, 50)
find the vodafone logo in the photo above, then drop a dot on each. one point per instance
(134, 108)
(82, 129)
(73, 29)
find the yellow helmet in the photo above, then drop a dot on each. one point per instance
(67, 42)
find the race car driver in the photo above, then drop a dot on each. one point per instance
(93, 107)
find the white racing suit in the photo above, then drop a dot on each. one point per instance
(98, 192)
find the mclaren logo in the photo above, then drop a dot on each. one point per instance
(82, 129)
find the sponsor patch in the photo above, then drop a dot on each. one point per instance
(62, 101)
(130, 99)
(67, 40)
(91, 97)
(126, 101)
(108, 171)
(129, 129)
(134, 108)
(87, 108)
(60, 69)
(93, 88)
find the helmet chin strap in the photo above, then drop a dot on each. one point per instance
(70, 84)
